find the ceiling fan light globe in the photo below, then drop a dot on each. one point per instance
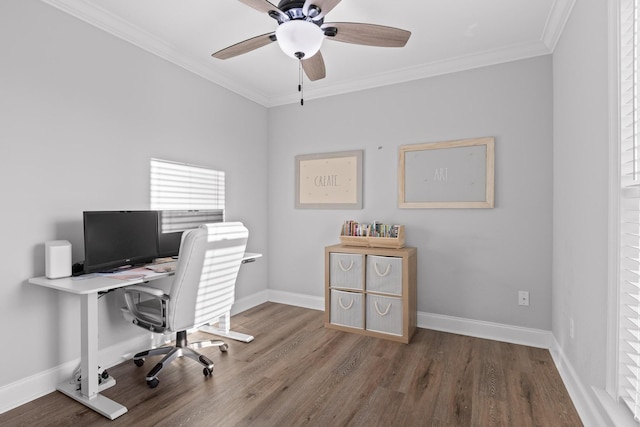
(299, 36)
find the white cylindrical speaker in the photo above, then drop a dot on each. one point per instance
(57, 259)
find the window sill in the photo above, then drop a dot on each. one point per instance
(617, 414)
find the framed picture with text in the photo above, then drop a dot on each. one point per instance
(329, 180)
(451, 174)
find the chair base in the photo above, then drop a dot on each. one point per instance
(181, 349)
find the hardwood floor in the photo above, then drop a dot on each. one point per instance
(296, 372)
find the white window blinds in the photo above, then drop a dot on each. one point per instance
(186, 187)
(629, 339)
(181, 220)
(187, 195)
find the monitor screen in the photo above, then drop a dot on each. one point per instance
(172, 223)
(114, 239)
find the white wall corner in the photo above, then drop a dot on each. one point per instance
(557, 19)
(586, 402)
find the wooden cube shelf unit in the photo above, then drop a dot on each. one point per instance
(371, 291)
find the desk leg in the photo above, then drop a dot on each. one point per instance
(223, 329)
(89, 394)
(89, 345)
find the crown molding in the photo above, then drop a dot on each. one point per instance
(556, 21)
(112, 24)
(432, 69)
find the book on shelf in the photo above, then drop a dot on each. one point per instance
(375, 229)
(375, 234)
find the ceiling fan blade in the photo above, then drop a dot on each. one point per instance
(266, 7)
(260, 5)
(325, 7)
(314, 67)
(245, 46)
(366, 34)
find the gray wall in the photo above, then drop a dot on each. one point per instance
(81, 114)
(471, 262)
(580, 171)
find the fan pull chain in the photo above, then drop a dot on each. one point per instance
(300, 82)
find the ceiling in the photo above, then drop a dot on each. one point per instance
(447, 36)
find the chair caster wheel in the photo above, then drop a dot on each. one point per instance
(223, 348)
(153, 383)
(138, 362)
(206, 372)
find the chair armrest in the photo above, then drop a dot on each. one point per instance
(145, 290)
(152, 311)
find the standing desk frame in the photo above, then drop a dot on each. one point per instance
(89, 288)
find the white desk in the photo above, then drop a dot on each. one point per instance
(89, 287)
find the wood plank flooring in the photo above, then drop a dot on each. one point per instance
(297, 373)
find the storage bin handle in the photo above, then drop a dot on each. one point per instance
(342, 305)
(380, 312)
(375, 267)
(343, 268)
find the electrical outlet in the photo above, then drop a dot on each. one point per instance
(523, 298)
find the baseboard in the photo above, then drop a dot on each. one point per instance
(280, 297)
(37, 385)
(244, 304)
(585, 402)
(480, 329)
(299, 300)
(42, 383)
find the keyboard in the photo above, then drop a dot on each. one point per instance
(164, 267)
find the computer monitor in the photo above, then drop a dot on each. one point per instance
(172, 223)
(113, 239)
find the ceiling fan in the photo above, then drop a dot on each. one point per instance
(301, 30)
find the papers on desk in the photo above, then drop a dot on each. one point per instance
(84, 276)
(132, 274)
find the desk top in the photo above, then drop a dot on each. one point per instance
(99, 282)
(102, 282)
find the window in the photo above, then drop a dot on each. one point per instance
(185, 187)
(187, 195)
(628, 354)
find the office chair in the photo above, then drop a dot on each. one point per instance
(203, 289)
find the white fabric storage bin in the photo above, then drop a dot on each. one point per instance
(384, 274)
(347, 309)
(384, 314)
(346, 271)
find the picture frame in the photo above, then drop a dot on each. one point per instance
(329, 180)
(450, 174)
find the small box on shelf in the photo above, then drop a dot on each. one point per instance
(375, 235)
